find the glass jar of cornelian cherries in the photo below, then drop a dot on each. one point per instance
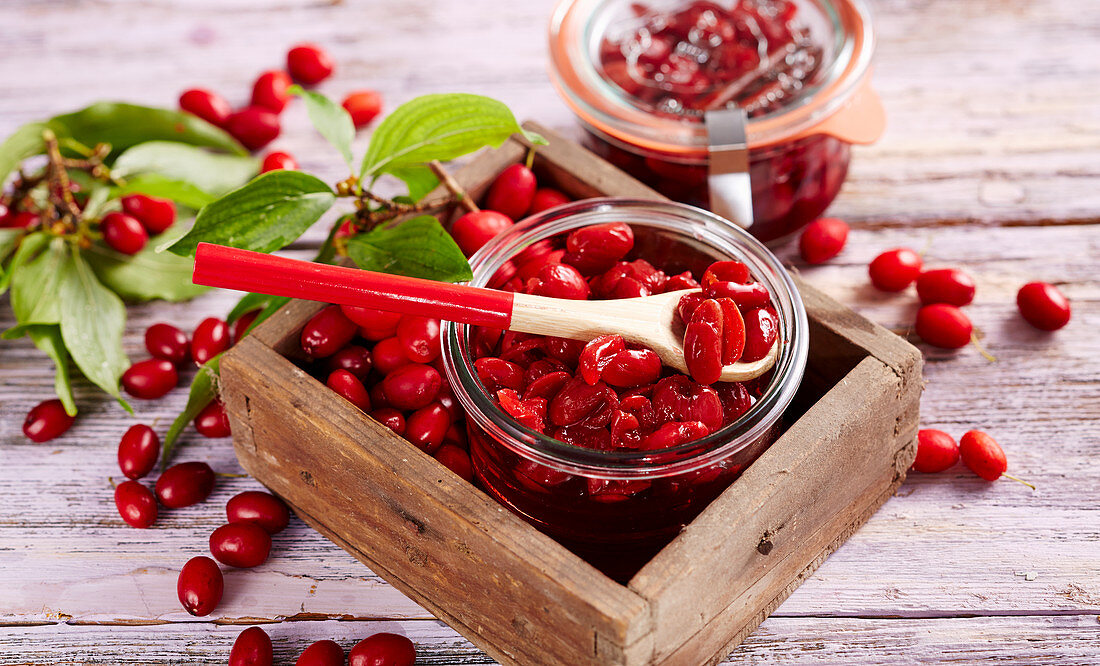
(601, 446)
(641, 76)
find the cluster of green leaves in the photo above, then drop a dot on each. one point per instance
(273, 210)
(68, 296)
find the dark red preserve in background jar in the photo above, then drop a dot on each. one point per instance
(641, 75)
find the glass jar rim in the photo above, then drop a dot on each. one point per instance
(603, 110)
(696, 224)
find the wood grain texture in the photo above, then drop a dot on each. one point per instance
(991, 159)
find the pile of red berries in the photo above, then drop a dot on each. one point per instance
(253, 648)
(257, 124)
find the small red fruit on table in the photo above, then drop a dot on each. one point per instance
(895, 270)
(322, 653)
(308, 64)
(270, 91)
(211, 337)
(983, 455)
(823, 239)
(945, 285)
(138, 451)
(254, 127)
(150, 379)
(167, 342)
(212, 421)
(1043, 306)
(936, 451)
(252, 648)
(46, 420)
(200, 586)
(277, 160)
(942, 325)
(363, 106)
(383, 649)
(207, 105)
(136, 504)
(184, 484)
(263, 509)
(241, 544)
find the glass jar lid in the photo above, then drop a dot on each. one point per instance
(599, 51)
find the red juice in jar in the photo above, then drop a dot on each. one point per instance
(640, 76)
(596, 444)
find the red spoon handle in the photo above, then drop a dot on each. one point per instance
(231, 268)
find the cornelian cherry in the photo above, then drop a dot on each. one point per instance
(184, 484)
(211, 337)
(513, 191)
(426, 427)
(200, 586)
(277, 160)
(597, 247)
(263, 509)
(383, 649)
(270, 91)
(473, 230)
(47, 420)
(243, 323)
(363, 106)
(353, 358)
(455, 459)
(936, 451)
(327, 332)
(167, 342)
(391, 418)
(212, 421)
(123, 233)
(945, 285)
(374, 324)
(138, 451)
(350, 388)
(252, 648)
(419, 337)
(242, 544)
(412, 386)
(254, 127)
(150, 379)
(982, 455)
(560, 281)
(895, 269)
(823, 239)
(156, 215)
(136, 504)
(308, 64)
(1043, 306)
(546, 198)
(389, 355)
(207, 105)
(943, 325)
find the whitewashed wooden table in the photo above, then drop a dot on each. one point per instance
(991, 161)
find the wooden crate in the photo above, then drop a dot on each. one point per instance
(515, 592)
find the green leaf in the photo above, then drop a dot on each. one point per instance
(145, 276)
(23, 143)
(419, 179)
(97, 202)
(438, 127)
(28, 249)
(203, 390)
(36, 288)
(331, 120)
(125, 125)
(162, 187)
(213, 173)
(417, 248)
(92, 319)
(48, 339)
(9, 240)
(265, 215)
(248, 303)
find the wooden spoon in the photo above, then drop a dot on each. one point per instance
(648, 321)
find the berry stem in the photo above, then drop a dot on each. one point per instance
(981, 350)
(530, 161)
(1018, 480)
(453, 187)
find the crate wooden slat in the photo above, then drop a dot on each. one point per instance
(516, 593)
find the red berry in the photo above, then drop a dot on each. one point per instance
(254, 127)
(545, 198)
(373, 324)
(24, 219)
(561, 281)
(677, 398)
(156, 215)
(207, 105)
(308, 64)
(496, 373)
(391, 418)
(456, 460)
(761, 330)
(354, 359)
(895, 270)
(263, 509)
(243, 323)
(512, 191)
(419, 337)
(242, 545)
(632, 367)
(936, 451)
(252, 648)
(581, 403)
(945, 326)
(212, 421)
(596, 356)
(389, 355)
(473, 230)
(350, 388)
(823, 239)
(211, 337)
(412, 386)
(327, 332)
(363, 106)
(596, 248)
(184, 484)
(945, 285)
(322, 653)
(270, 91)
(123, 233)
(426, 427)
(383, 649)
(150, 379)
(167, 342)
(135, 504)
(982, 455)
(703, 342)
(278, 160)
(138, 451)
(47, 420)
(674, 433)
(200, 586)
(1043, 306)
